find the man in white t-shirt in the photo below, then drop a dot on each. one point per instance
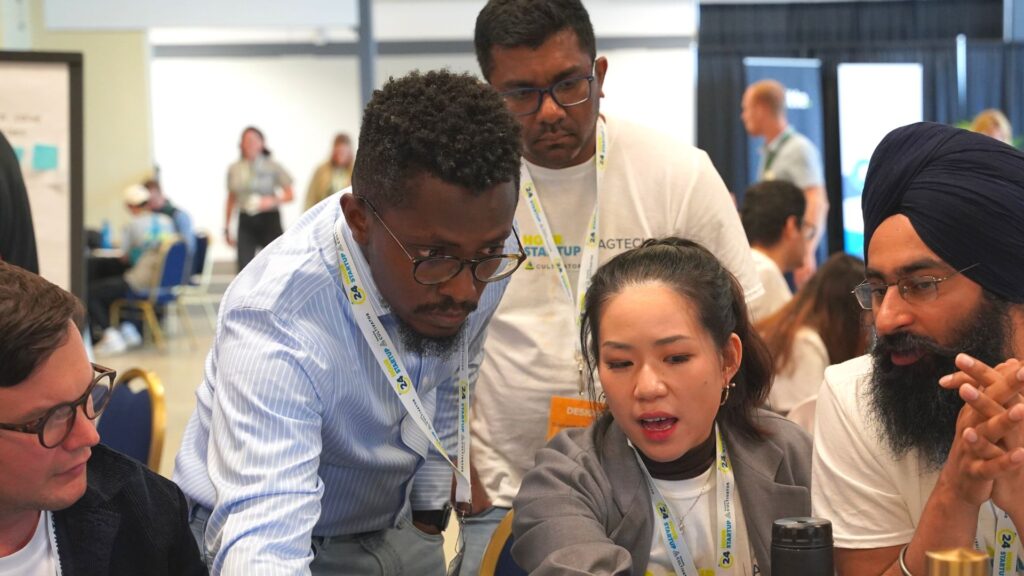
(541, 56)
(773, 218)
(789, 156)
(909, 454)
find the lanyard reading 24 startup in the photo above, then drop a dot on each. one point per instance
(588, 260)
(1006, 542)
(386, 354)
(727, 532)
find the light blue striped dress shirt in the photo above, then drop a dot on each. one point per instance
(296, 432)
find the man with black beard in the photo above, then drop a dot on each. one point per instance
(920, 445)
(333, 407)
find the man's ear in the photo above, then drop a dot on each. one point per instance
(793, 226)
(357, 217)
(1016, 312)
(600, 69)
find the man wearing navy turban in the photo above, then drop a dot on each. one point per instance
(920, 444)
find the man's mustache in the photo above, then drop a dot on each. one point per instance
(904, 342)
(446, 305)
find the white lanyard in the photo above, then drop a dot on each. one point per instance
(1005, 543)
(588, 259)
(401, 382)
(725, 534)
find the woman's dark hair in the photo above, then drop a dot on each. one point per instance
(514, 23)
(34, 317)
(825, 305)
(263, 141)
(694, 273)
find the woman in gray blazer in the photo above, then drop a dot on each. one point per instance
(682, 473)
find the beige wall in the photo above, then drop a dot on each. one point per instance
(118, 140)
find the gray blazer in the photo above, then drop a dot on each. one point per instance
(585, 508)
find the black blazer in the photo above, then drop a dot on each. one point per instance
(130, 521)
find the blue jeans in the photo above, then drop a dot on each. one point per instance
(402, 551)
(477, 531)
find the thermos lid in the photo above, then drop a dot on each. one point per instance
(957, 562)
(802, 533)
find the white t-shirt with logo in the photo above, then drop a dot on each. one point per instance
(37, 558)
(698, 528)
(873, 499)
(653, 186)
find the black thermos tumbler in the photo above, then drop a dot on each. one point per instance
(802, 547)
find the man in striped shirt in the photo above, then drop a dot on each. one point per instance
(304, 454)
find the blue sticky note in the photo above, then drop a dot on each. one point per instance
(44, 157)
(20, 153)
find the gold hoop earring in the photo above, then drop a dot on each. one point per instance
(725, 393)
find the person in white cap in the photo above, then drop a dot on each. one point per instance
(140, 243)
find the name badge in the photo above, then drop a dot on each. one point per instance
(571, 413)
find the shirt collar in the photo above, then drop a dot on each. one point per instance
(774, 144)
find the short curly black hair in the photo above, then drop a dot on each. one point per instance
(448, 125)
(514, 23)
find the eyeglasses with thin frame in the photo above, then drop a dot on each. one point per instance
(913, 289)
(566, 93)
(431, 270)
(53, 427)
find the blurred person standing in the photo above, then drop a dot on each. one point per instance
(822, 325)
(994, 123)
(787, 155)
(253, 184)
(334, 174)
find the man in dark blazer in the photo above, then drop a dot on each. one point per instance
(68, 505)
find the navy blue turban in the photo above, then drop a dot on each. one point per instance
(963, 193)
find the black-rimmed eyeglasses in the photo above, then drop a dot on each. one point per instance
(431, 270)
(566, 93)
(913, 289)
(54, 426)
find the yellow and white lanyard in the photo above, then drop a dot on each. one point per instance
(588, 258)
(1005, 543)
(726, 534)
(387, 358)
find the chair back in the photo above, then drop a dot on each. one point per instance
(172, 273)
(175, 259)
(497, 559)
(199, 263)
(135, 420)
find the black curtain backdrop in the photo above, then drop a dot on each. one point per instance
(995, 79)
(921, 31)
